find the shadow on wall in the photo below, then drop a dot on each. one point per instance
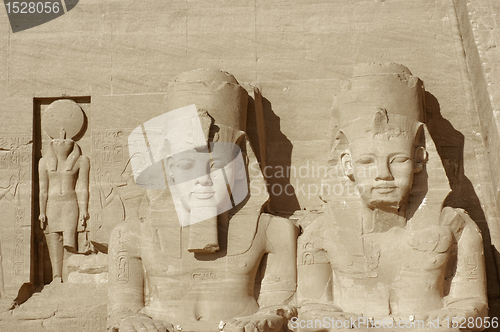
(276, 153)
(450, 146)
(279, 156)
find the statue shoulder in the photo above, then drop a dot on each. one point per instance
(312, 226)
(42, 163)
(458, 220)
(279, 229)
(84, 160)
(309, 219)
(313, 223)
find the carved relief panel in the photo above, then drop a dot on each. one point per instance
(15, 221)
(114, 195)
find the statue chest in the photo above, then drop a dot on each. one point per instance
(192, 268)
(384, 257)
(392, 272)
(382, 273)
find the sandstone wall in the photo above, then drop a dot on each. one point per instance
(122, 54)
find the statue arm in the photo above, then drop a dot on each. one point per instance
(315, 298)
(315, 285)
(314, 271)
(126, 279)
(44, 188)
(468, 286)
(279, 282)
(13, 197)
(106, 200)
(314, 281)
(82, 188)
(280, 279)
(5, 192)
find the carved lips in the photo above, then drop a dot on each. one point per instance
(385, 188)
(202, 194)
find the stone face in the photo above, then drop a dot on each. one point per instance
(192, 262)
(392, 251)
(115, 60)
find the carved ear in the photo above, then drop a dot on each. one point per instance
(170, 171)
(241, 167)
(420, 159)
(346, 163)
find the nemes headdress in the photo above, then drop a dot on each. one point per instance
(385, 101)
(381, 100)
(204, 107)
(212, 91)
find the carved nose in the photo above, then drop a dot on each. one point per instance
(383, 172)
(205, 180)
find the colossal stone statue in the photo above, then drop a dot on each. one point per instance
(393, 253)
(64, 182)
(206, 258)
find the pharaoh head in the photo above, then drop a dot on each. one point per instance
(381, 119)
(198, 147)
(203, 142)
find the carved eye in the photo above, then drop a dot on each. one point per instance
(399, 160)
(366, 160)
(185, 165)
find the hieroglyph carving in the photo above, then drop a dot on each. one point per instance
(192, 263)
(116, 197)
(64, 182)
(15, 187)
(108, 153)
(393, 253)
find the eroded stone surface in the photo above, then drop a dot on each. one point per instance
(393, 253)
(119, 55)
(193, 261)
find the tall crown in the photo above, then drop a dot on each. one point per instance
(210, 102)
(381, 98)
(203, 105)
(213, 91)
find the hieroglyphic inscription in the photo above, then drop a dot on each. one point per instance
(123, 264)
(86, 321)
(9, 142)
(123, 269)
(15, 181)
(471, 264)
(308, 256)
(92, 321)
(15, 156)
(203, 276)
(19, 242)
(108, 155)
